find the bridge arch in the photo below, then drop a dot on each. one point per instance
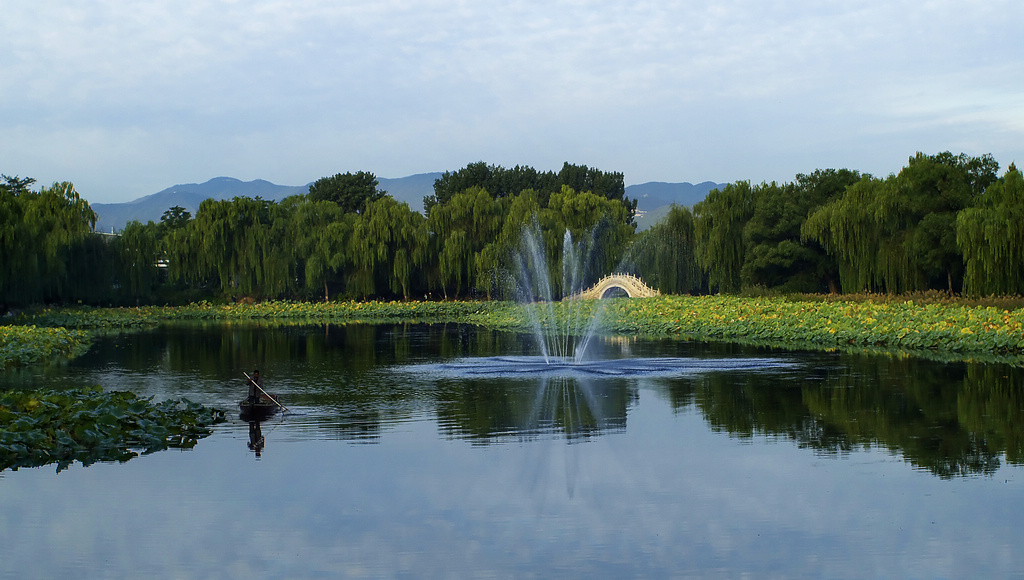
(632, 285)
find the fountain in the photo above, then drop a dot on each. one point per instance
(564, 330)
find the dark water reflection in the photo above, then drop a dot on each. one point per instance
(952, 419)
(442, 438)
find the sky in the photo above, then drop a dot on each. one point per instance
(126, 98)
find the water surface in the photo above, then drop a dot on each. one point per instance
(447, 451)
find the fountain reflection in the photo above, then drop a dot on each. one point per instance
(487, 398)
(530, 409)
(580, 408)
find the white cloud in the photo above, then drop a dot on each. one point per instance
(672, 91)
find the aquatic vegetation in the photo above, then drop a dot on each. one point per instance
(88, 425)
(371, 311)
(908, 325)
(22, 345)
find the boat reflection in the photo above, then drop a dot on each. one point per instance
(256, 439)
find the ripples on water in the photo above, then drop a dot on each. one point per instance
(526, 366)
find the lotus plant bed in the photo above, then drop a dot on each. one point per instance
(88, 425)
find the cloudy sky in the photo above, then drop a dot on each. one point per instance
(125, 98)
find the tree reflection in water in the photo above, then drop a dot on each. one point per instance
(952, 419)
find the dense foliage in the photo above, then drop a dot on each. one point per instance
(502, 182)
(944, 222)
(87, 425)
(47, 249)
(899, 234)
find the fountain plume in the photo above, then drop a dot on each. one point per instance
(563, 327)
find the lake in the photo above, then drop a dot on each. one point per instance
(446, 451)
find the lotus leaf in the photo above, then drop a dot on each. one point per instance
(89, 425)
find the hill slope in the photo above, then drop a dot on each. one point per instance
(653, 198)
(114, 216)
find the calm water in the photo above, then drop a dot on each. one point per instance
(444, 451)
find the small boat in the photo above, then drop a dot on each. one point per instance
(264, 408)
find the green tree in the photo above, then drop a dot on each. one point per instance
(237, 247)
(602, 226)
(175, 217)
(502, 183)
(45, 238)
(718, 223)
(351, 191)
(939, 187)
(460, 229)
(18, 262)
(898, 234)
(138, 247)
(775, 254)
(319, 242)
(992, 239)
(384, 244)
(665, 255)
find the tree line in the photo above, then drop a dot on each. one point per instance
(944, 222)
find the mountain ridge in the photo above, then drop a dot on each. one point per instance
(653, 198)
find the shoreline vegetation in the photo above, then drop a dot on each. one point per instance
(929, 325)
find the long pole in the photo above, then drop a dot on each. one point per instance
(262, 391)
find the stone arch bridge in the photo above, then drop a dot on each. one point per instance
(633, 286)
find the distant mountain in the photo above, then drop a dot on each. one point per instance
(114, 216)
(653, 198)
(411, 189)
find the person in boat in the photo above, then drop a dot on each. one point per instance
(255, 386)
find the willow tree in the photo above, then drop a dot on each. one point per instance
(860, 231)
(236, 244)
(138, 248)
(47, 251)
(718, 224)
(992, 239)
(498, 262)
(19, 264)
(459, 230)
(898, 234)
(665, 255)
(601, 227)
(317, 249)
(383, 246)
